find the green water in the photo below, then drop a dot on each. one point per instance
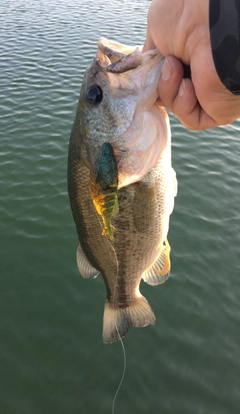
(52, 359)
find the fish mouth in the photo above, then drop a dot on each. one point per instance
(114, 50)
(118, 58)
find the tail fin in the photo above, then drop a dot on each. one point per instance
(117, 321)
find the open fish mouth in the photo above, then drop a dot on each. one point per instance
(118, 58)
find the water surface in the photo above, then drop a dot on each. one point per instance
(52, 356)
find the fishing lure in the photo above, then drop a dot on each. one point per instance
(104, 186)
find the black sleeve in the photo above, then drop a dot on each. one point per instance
(224, 21)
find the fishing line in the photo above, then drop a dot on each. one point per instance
(119, 336)
(123, 373)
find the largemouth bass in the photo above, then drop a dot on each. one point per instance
(121, 183)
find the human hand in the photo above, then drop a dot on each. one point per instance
(180, 31)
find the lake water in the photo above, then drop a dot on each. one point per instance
(52, 359)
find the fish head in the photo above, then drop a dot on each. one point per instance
(119, 91)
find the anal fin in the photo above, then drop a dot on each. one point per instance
(159, 271)
(85, 268)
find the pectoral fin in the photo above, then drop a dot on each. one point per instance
(144, 207)
(160, 269)
(85, 268)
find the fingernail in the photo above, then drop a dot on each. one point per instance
(167, 70)
(182, 88)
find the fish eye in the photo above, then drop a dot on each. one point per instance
(94, 94)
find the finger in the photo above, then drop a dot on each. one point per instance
(149, 43)
(178, 96)
(187, 108)
(169, 81)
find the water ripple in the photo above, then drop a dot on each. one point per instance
(53, 360)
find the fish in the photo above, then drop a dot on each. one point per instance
(121, 183)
